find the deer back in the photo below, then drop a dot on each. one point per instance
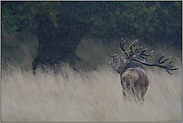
(135, 76)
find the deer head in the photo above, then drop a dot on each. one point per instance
(118, 63)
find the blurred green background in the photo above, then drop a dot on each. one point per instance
(156, 24)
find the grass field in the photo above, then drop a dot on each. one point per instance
(92, 94)
(86, 96)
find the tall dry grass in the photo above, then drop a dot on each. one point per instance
(86, 96)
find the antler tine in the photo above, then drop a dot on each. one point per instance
(165, 60)
(170, 62)
(169, 72)
(133, 44)
(170, 67)
(151, 52)
(122, 47)
(144, 57)
(145, 49)
(138, 49)
(158, 61)
(142, 53)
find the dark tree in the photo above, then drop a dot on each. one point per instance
(60, 26)
(58, 44)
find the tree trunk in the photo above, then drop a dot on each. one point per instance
(57, 45)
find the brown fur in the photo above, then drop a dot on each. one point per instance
(135, 82)
(134, 79)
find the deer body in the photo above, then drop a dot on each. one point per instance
(134, 79)
(134, 82)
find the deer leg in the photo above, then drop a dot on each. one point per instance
(140, 94)
(124, 95)
(136, 94)
(143, 93)
(136, 89)
(124, 92)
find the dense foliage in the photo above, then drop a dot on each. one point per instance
(148, 20)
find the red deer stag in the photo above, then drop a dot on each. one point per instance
(134, 79)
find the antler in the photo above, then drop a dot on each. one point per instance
(137, 51)
(159, 63)
(141, 53)
(122, 47)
